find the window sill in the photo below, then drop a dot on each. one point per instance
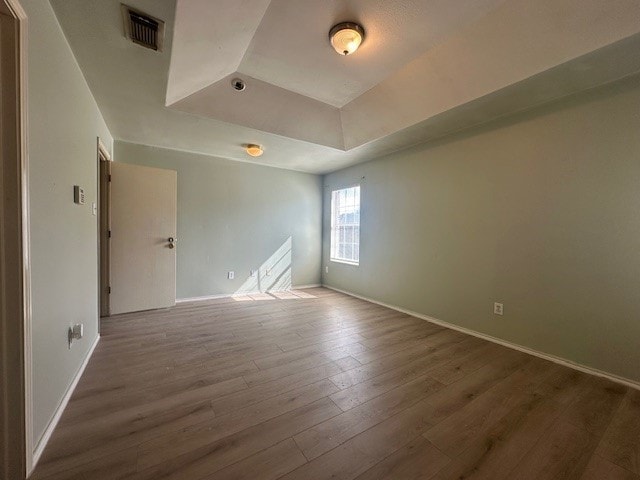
(346, 262)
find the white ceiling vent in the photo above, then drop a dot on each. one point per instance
(143, 29)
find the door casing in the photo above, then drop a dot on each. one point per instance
(104, 225)
(16, 444)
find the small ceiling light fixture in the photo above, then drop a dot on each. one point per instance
(346, 37)
(254, 150)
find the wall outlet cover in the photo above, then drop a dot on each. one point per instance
(231, 275)
(76, 332)
(498, 309)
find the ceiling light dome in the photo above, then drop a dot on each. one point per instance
(346, 37)
(254, 150)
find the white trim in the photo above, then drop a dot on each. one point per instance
(344, 262)
(42, 443)
(204, 298)
(303, 287)
(102, 150)
(546, 356)
(229, 295)
(334, 229)
(22, 82)
(102, 154)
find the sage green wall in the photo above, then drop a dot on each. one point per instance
(64, 122)
(235, 216)
(540, 212)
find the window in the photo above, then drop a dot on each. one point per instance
(345, 225)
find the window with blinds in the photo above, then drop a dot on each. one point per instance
(345, 225)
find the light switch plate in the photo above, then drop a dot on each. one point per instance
(78, 195)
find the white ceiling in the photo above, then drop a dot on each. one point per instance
(291, 47)
(209, 45)
(427, 68)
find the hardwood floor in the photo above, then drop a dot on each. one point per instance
(319, 385)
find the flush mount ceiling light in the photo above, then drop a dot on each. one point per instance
(346, 37)
(254, 150)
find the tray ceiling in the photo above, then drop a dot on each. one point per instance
(426, 68)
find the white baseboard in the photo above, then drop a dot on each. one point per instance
(229, 295)
(42, 443)
(546, 356)
(204, 298)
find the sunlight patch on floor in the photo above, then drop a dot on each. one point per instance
(283, 295)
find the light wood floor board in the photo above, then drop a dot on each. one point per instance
(315, 384)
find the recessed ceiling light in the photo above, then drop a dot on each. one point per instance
(238, 84)
(346, 37)
(254, 150)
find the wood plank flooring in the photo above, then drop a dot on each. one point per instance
(319, 385)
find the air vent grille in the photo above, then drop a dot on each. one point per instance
(143, 29)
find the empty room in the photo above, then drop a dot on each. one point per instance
(303, 239)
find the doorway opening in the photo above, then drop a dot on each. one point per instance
(104, 230)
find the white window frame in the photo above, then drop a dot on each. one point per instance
(334, 242)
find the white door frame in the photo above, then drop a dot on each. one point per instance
(15, 287)
(103, 155)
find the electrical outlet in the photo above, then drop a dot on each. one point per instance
(252, 273)
(498, 309)
(76, 332)
(231, 275)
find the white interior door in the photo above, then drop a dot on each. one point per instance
(143, 225)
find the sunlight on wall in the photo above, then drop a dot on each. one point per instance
(273, 275)
(272, 280)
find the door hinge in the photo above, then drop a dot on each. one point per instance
(109, 234)
(109, 290)
(109, 178)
